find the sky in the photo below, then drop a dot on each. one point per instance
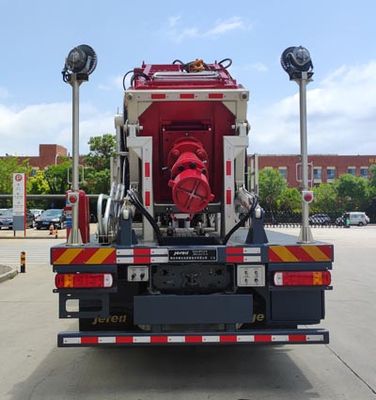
(36, 36)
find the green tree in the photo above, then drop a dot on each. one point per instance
(352, 192)
(372, 175)
(290, 200)
(102, 148)
(96, 181)
(57, 177)
(8, 166)
(325, 199)
(271, 186)
(38, 184)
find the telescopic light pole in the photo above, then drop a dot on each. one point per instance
(296, 61)
(79, 64)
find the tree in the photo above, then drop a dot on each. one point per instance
(102, 148)
(271, 185)
(325, 198)
(38, 184)
(8, 166)
(57, 177)
(352, 192)
(372, 175)
(290, 200)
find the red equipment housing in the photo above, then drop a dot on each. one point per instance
(179, 123)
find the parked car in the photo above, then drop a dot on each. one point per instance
(36, 211)
(6, 219)
(53, 216)
(319, 219)
(358, 218)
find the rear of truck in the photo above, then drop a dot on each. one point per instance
(181, 255)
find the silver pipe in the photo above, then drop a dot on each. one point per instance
(305, 232)
(75, 237)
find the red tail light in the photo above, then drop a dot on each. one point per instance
(67, 281)
(302, 278)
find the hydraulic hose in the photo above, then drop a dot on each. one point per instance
(241, 220)
(136, 202)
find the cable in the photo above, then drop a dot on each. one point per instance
(125, 75)
(136, 202)
(242, 220)
(229, 63)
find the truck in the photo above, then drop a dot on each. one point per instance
(181, 255)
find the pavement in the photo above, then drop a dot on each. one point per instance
(7, 272)
(33, 368)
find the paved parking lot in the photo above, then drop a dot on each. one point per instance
(33, 368)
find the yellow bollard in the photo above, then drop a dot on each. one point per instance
(23, 262)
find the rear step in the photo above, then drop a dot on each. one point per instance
(95, 338)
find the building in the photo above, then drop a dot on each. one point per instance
(323, 168)
(49, 154)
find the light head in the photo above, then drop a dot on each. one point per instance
(295, 61)
(81, 60)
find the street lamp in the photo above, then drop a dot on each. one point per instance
(296, 61)
(79, 64)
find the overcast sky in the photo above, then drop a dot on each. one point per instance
(35, 37)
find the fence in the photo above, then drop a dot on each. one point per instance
(288, 219)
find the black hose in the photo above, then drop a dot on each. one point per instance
(125, 75)
(229, 63)
(241, 221)
(136, 202)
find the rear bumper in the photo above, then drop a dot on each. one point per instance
(267, 336)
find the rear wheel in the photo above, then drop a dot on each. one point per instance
(360, 224)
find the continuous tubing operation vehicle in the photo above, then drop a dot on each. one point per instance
(181, 256)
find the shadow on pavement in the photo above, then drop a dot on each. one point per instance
(178, 373)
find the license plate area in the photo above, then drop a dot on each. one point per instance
(192, 278)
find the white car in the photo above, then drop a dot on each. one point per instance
(359, 218)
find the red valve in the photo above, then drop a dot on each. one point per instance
(188, 162)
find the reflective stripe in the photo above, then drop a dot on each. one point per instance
(210, 339)
(72, 340)
(107, 339)
(176, 339)
(193, 339)
(245, 338)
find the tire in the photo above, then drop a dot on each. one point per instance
(360, 224)
(39, 228)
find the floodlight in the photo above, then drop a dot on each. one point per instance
(295, 61)
(81, 60)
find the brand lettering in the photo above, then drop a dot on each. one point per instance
(113, 319)
(181, 253)
(258, 317)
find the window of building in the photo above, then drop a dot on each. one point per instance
(364, 172)
(316, 174)
(331, 173)
(351, 170)
(283, 172)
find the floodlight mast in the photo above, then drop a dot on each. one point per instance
(79, 64)
(296, 61)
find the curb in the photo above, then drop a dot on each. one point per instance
(8, 275)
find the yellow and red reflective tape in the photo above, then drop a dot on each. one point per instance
(303, 253)
(87, 256)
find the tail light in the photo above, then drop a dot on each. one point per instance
(302, 278)
(75, 281)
